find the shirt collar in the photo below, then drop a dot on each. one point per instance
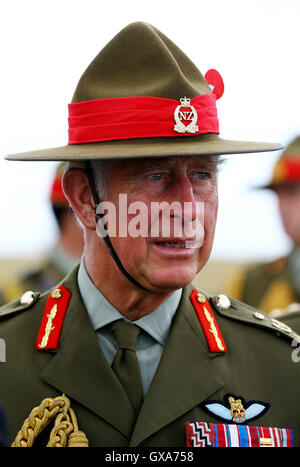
(101, 312)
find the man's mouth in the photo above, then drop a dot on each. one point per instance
(178, 243)
(186, 244)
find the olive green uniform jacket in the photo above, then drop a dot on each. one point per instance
(257, 366)
(292, 319)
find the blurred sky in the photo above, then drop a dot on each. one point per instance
(45, 47)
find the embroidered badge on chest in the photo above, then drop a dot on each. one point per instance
(235, 409)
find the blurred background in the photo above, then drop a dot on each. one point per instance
(46, 46)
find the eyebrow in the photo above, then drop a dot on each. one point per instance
(202, 162)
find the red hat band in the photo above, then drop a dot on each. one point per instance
(141, 117)
(287, 170)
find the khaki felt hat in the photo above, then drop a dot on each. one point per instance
(286, 171)
(143, 97)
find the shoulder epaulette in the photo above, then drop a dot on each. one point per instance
(291, 318)
(27, 300)
(233, 309)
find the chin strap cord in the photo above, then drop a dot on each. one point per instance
(105, 236)
(65, 432)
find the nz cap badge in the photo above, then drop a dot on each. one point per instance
(185, 112)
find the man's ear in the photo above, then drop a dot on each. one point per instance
(77, 189)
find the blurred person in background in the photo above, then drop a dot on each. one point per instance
(3, 429)
(275, 287)
(60, 259)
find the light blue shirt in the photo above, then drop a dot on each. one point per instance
(156, 326)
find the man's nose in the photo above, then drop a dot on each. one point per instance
(182, 192)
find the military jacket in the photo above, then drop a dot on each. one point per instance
(292, 319)
(256, 365)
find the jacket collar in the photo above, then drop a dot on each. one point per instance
(94, 385)
(157, 324)
(184, 378)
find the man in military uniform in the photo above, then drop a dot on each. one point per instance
(143, 357)
(60, 259)
(272, 287)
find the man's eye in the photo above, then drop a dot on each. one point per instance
(201, 175)
(156, 176)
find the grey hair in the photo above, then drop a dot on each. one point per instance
(101, 169)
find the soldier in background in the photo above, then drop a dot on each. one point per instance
(3, 429)
(59, 260)
(274, 287)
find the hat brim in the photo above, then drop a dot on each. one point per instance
(208, 144)
(275, 186)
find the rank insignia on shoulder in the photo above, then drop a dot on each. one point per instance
(53, 319)
(202, 434)
(208, 322)
(235, 409)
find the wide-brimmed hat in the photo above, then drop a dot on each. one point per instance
(143, 97)
(286, 171)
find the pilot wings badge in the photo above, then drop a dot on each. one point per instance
(235, 409)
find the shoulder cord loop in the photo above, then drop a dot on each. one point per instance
(65, 432)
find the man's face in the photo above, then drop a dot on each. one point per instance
(289, 206)
(164, 259)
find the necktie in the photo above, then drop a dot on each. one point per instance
(125, 364)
